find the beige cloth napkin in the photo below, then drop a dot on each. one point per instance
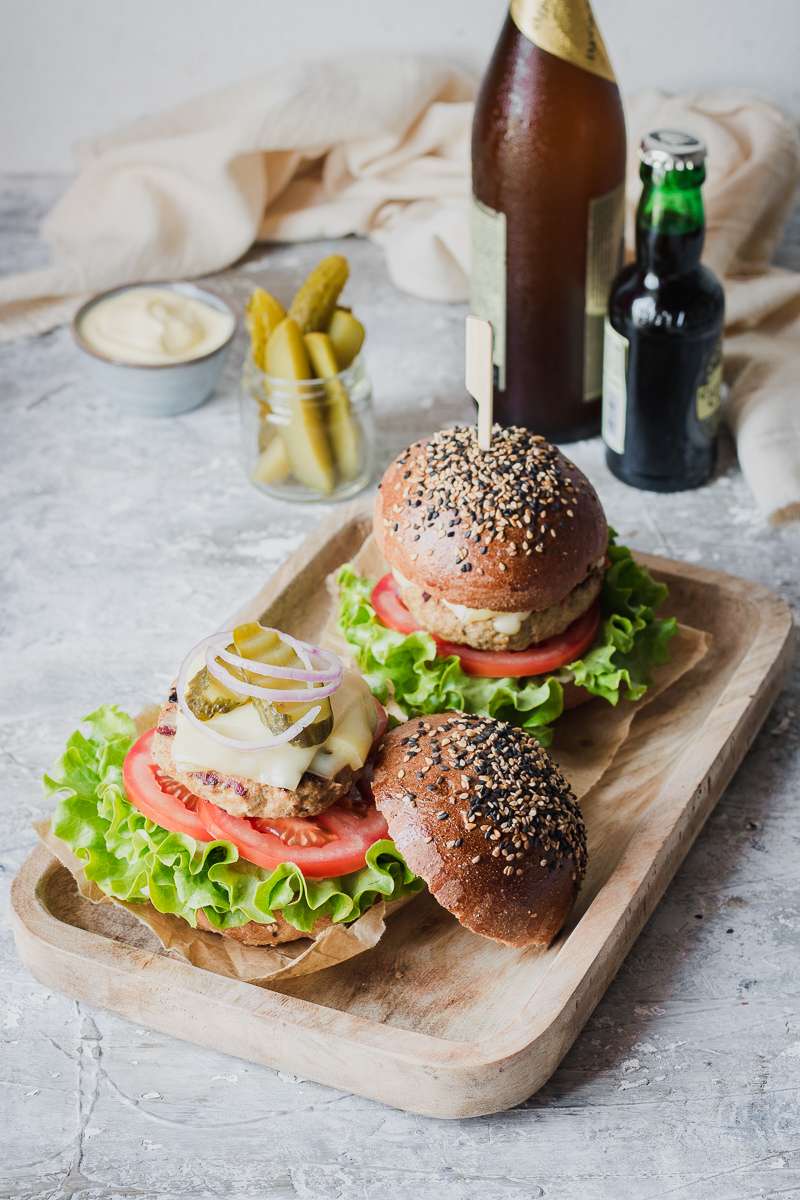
(380, 146)
(367, 145)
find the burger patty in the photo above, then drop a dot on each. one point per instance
(240, 795)
(435, 616)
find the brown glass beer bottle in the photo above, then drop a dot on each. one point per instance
(548, 176)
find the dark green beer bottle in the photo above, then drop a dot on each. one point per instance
(662, 365)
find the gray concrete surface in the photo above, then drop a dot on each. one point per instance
(122, 541)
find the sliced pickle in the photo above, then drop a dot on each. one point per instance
(314, 303)
(304, 435)
(273, 463)
(347, 334)
(342, 428)
(252, 640)
(262, 314)
(208, 698)
(261, 645)
(278, 718)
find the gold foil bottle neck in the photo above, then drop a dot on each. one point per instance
(567, 29)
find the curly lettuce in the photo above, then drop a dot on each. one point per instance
(405, 669)
(129, 857)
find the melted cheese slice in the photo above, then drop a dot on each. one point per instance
(354, 723)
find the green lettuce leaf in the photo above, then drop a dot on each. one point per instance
(404, 668)
(632, 640)
(131, 858)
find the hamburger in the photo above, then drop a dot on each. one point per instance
(242, 810)
(480, 812)
(472, 807)
(507, 594)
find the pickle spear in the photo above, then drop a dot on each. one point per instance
(312, 307)
(262, 314)
(304, 435)
(273, 462)
(347, 334)
(342, 428)
(262, 645)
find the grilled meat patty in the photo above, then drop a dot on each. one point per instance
(244, 797)
(435, 616)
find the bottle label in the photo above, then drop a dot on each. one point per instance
(615, 388)
(566, 28)
(603, 258)
(708, 393)
(488, 279)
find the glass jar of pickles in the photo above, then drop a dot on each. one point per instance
(307, 419)
(309, 439)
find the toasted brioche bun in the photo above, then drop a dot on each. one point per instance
(513, 529)
(490, 824)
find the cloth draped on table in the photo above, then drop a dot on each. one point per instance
(379, 146)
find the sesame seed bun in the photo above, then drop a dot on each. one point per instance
(481, 812)
(514, 528)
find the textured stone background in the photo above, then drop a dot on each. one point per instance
(124, 540)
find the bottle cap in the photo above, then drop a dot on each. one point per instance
(671, 150)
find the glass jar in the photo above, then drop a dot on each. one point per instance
(310, 439)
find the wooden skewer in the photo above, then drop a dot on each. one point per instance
(478, 375)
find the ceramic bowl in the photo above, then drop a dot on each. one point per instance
(161, 389)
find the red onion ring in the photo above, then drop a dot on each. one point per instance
(242, 688)
(302, 649)
(326, 675)
(269, 741)
(280, 695)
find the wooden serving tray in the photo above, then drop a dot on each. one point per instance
(436, 1020)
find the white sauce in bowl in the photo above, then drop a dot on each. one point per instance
(154, 326)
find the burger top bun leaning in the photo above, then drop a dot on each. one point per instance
(516, 528)
(482, 813)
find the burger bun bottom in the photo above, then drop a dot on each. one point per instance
(256, 934)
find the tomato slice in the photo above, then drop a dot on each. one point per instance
(348, 835)
(390, 608)
(544, 656)
(160, 799)
(293, 831)
(538, 659)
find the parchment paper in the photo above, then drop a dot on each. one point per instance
(251, 964)
(586, 738)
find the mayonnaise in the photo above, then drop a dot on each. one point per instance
(154, 326)
(508, 623)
